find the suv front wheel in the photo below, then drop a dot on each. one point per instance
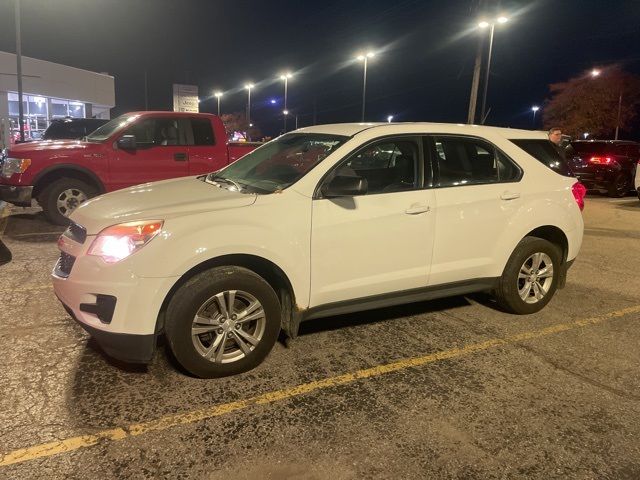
(222, 322)
(530, 277)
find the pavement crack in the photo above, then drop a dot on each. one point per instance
(616, 391)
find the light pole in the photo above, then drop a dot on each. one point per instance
(218, 95)
(485, 24)
(249, 86)
(534, 109)
(363, 58)
(285, 76)
(595, 73)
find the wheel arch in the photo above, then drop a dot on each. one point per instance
(269, 271)
(554, 235)
(56, 172)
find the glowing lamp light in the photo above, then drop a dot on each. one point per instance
(117, 242)
(483, 24)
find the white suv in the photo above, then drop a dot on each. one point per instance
(319, 222)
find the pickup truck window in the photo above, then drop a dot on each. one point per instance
(109, 128)
(202, 132)
(163, 131)
(281, 162)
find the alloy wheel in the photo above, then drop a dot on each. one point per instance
(535, 277)
(228, 326)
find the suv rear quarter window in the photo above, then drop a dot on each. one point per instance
(546, 153)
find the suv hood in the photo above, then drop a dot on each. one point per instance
(157, 201)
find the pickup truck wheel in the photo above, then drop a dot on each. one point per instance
(62, 197)
(530, 277)
(222, 322)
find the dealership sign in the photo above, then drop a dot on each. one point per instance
(185, 98)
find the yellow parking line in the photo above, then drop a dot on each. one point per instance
(163, 423)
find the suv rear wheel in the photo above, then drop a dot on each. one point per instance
(62, 197)
(222, 322)
(530, 277)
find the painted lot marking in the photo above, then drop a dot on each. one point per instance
(186, 418)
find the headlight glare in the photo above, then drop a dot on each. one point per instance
(117, 242)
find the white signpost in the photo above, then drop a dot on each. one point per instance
(185, 98)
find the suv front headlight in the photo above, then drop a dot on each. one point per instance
(14, 165)
(117, 242)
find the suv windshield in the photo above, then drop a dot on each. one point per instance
(110, 128)
(279, 163)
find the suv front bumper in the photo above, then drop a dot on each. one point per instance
(20, 196)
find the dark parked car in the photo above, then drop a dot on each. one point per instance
(605, 165)
(72, 128)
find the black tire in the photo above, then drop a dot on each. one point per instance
(507, 291)
(48, 199)
(620, 186)
(198, 292)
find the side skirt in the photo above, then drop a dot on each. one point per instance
(389, 300)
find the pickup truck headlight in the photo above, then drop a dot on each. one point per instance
(14, 165)
(119, 241)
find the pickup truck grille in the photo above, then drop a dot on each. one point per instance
(76, 233)
(64, 265)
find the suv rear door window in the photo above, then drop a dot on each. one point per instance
(469, 161)
(546, 153)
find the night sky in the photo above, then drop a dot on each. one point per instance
(422, 71)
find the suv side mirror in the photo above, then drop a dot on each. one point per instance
(345, 186)
(127, 142)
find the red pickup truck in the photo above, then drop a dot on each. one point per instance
(135, 148)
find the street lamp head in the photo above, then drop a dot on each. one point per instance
(502, 19)
(483, 24)
(364, 56)
(535, 108)
(389, 118)
(217, 94)
(595, 72)
(249, 86)
(286, 75)
(286, 112)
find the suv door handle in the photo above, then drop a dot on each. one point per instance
(509, 195)
(180, 157)
(417, 209)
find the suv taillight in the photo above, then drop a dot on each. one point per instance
(579, 192)
(602, 160)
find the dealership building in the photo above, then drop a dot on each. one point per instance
(50, 91)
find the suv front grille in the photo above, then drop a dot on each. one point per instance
(64, 265)
(76, 233)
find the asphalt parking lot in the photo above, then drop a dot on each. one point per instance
(444, 389)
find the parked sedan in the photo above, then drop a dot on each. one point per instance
(606, 165)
